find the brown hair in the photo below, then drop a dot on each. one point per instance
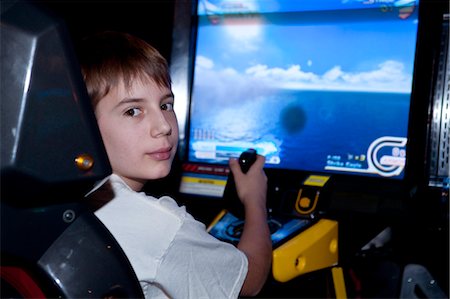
(108, 57)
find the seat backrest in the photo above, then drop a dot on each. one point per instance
(50, 138)
(52, 153)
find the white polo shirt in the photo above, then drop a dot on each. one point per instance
(171, 253)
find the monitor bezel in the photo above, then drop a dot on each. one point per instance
(415, 172)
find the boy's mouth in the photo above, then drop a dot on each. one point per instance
(161, 154)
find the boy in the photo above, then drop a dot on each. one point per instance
(172, 254)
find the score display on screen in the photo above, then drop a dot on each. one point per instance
(311, 85)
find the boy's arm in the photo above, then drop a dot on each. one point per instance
(255, 240)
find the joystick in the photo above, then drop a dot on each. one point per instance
(232, 201)
(246, 159)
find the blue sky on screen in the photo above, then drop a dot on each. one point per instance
(264, 6)
(361, 50)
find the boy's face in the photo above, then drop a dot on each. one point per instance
(140, 131)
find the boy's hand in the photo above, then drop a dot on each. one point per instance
(255, 240)
(252, 186)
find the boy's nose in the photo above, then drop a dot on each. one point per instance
(160, 126)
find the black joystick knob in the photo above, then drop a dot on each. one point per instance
(246, 159)
(232, 201)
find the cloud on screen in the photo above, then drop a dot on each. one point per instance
(388, 76)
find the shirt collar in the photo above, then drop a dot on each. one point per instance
(113, 178)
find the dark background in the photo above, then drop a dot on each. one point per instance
(151, 20)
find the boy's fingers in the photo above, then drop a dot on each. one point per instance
(260, 160)
(236, 168)
(234, 164)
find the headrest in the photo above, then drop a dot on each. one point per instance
(50, 141)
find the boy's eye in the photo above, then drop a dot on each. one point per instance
(167, 107)
(133, 112)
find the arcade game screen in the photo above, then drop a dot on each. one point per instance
(317, 86)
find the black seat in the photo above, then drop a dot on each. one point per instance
(52, 245)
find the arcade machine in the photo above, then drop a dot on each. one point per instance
(326, 91)
(52, 245)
